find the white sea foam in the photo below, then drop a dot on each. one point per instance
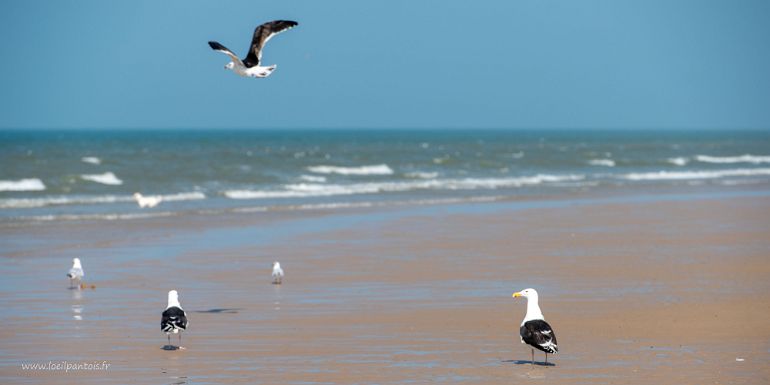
(107, 178)
(304, 190)
(754, 159)
(312, 178)
(678, 161)
(421, 175)
(256, 209)
(25, 203)
(188, 196)
(91, 217)
(91, 159)
(30, 184)
(602, 162)
(674, 175)
(379, 169)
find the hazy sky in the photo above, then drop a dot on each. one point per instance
(402, 64)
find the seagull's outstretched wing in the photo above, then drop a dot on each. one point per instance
(220, 48)
(262, 34)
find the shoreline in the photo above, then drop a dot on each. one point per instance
(638, 289)
(522, 201)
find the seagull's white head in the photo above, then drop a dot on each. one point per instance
(276, 265)
(76, 263)
(229, 66)
(533, 309)
(173, 299)
(526, 293)
(137, 195)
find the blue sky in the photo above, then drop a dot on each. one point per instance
(388, 64)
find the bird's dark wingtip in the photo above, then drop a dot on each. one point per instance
(215, 45)
(285, 24)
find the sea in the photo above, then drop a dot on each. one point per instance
(86, 175)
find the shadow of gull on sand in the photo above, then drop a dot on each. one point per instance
(522, 362)
(218, 311)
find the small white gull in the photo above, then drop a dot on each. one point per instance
(277, 273)
(76, 272)
(144, 201)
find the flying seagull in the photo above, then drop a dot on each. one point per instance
(277, 273)
(249, 66)
(173, 319)
(76, 272)
(534, 330)
(144, 201)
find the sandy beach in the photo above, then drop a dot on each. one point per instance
(640, 289)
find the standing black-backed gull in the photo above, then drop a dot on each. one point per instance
(173, 319)
(277, 273)
(534, 330)
(76, 272)
(249, 66)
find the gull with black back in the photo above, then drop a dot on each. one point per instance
(534, 331)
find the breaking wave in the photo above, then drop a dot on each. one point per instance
(684, 175)
(602, 162)
(380, 169)
(754, 159)
(25, 203)
(31, 184)
(303, 190)
(107, 178)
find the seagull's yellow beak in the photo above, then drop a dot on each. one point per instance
(517, 294)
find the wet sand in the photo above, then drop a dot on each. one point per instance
(640, 290)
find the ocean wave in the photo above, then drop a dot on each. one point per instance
(107, 178)
(754, 159)
(678, 161)
(304, 190)
(312, 178)
(602, 162)
(30, 184)
(26, 203)
(380, 169)
(91, 217)
(421, 175)
(255, 209)
(188, 196)
(91, 159)
(368, 204)
(674, 175)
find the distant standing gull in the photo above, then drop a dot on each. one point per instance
(144, 201)
(277, 273)
(534, 330)
(249, 66)
(76, 272)
(174, 318)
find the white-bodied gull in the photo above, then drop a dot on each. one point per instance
(149, 202)
(277, 273)
(76, 272)
(173, 319)
(249, 66)
(534, 331)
